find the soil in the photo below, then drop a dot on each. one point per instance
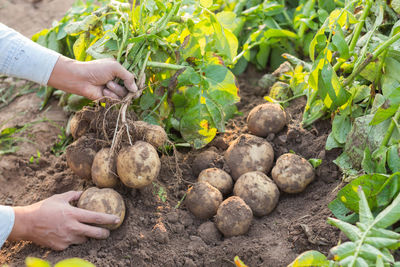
(157, 232)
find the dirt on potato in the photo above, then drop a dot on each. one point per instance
(164, 233)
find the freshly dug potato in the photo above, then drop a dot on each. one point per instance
(249, 153)
(78, 125)
(292, 173)
(104, 169)
(217, 178)
(138, 165)
(80, 155)
(258, 191)
(206, 159)
(203, 200)
(104, 200)
(152, 134)
(265, 119)
(233, 217)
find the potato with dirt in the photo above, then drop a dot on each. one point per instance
(218, 178)
(104, 169)
(265, 119)
(203, 200)
(249, 153)
(79, 124)
(138, 165)
(80, 155)
(206, 159)
(233, 217)
(258, 191)
(104, 200)
(292, 173)
(150, 133)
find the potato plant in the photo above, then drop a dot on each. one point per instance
(178, 54)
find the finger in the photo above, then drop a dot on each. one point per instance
(126, 76)
(87, 216)
(95, 92)
(93, 231)
(117, 89)
(79, 240)
(70, 195)
(110, 94)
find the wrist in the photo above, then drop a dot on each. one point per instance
(67, 75)
(22, 224)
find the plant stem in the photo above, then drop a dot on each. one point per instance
(389, 132)
(371, 57)
(313, 118)
(125, 28)
(164, 65)
(359, 27)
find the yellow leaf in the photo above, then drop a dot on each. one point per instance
(80, 46)
(206, 3)
(74, 262)
(238, 262)
(36, 262)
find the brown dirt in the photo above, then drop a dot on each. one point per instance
(156, 233)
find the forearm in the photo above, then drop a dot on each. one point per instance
(7, 218)
(20, 57)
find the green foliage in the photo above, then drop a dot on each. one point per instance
(61, 144)
(267, 29)
(370, 242)
(188, 87)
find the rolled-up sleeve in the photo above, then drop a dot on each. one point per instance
(22, 58)
(7, 218)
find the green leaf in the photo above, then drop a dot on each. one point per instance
(310, 258)
(147, 100)
(331, 142)
(382, 242)
(389, 215)
(74, 262)
(340, 43)
(393, 158)
(342, 212)
(370, 252)
(343, 250)
(315, 162)
(206, 3)
(341, 127)
(384, 114)
(351, 231)
(364, 210)
(367, 164)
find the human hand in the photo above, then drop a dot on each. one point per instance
(92, 79)
(54, 223)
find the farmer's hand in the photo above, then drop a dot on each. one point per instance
(91, 79)
(54, 223)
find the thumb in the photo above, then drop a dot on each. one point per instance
(70, 195)
(126, 76)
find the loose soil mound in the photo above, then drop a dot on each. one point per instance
(156, 233)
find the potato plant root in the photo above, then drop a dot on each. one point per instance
(298, 222)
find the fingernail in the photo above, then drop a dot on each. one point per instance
(117, 220)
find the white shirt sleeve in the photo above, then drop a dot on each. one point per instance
(7, 217)
(22, 58)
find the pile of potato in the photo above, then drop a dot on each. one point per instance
(248, 189)
(136, 165)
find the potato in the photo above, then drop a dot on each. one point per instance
(78, 125)
(292, 173)
(152, 134)
(80, 155)
(265, 119)
(104, 200)
(258, 191)
(217, 178)
(249, 153)
(206, 159)
(138, 165)
(203, 200)
(233, 217)
(104, 169)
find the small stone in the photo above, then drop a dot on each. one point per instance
(209, 233)
(195, 238)
(270, 137)
(282, 139)
(172, 217)
(186, 219)
(189, 263)
(160, 233)
(9, 201)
